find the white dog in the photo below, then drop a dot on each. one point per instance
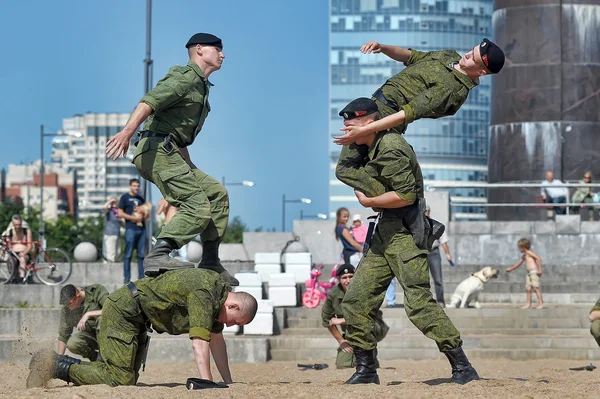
(468, 290)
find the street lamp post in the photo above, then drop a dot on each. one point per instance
(246, 183)
(286, 201)
(42, 173)
(317, 216)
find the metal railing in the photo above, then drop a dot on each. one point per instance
(464, 202)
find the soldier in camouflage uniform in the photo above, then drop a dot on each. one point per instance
(595, 320)
(383, 169)
(81, 309)
(193, 301)
(175, 110)
(333, 316)
(433, 84)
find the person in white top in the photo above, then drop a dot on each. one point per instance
(434, 260)
(554, 195)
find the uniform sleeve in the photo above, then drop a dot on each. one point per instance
(431, 103)
(327, 312)
(351, 172)
(64, 329)
(168, 91)
(101, 295)
(396, 169)
(416, 56)
(596, 306)
(201, 314)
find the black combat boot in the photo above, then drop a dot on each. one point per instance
(62, 363)
(365, 373)
(210, 260)
(45, 364)
(158, 260)
(462, 371)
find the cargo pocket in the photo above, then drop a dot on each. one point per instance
(177, 182)
(120, 348)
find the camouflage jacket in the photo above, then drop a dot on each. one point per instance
(184, 301)
(390, 164)
(95, 295)
(179, 104)
(429, 86)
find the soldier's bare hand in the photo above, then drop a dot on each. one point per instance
(351, 133)
(371, 47)
(82, 321)
(346, 347)
(362, 198)
(118, 145)
(162, 207)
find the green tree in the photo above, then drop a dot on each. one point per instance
(235, 231)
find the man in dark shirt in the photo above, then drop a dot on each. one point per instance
(135, 230)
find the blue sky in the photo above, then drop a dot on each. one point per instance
(269, 105)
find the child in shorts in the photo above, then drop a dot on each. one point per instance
(533, 263)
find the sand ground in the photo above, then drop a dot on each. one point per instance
(399, 378)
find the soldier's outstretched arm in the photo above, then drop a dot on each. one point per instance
(202, 357)
(396, 53)
(119, 144)
(350, 171)
(218, 349)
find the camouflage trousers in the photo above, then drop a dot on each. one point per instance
(83, 344)
(202, 201)
(595, 330)
(346, 360)
(122, 338)
(394, 253)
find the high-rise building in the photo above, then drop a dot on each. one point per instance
(81, 147)
(60, 198)
(453, 148)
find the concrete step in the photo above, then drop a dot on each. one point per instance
(328, 355)
(323, 332)
(474, 322)
(163, 348)
(406, 341)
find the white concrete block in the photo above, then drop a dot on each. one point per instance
(282, 280)
(265, 270)
(249, 279)
(256, 292)
(297, 258)
(301, 272)
(261, 325)
(265, 306)
(267, 257)
(283, 296)
(231, 330)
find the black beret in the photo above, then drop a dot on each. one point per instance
(67, 293)
(205, 38)
(492, 56)
(344, 269)
(193, 384)
(360, 107)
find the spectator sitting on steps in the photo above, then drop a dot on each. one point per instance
(554, 195)
(585, 195)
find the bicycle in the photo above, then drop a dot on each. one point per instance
(317, 291)
(51, 266)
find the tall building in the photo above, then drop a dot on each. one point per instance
(546, 100)
(449, 149)
(81, 147)
(60, 197)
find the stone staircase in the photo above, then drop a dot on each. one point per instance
(494, 332)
